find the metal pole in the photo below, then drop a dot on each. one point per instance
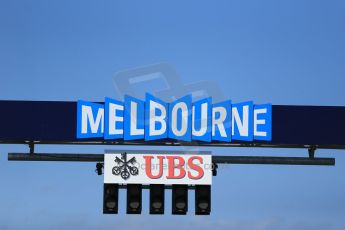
(273, 160)
(56, 157)
(216, 159)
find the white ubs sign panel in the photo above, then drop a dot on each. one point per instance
(193, 169)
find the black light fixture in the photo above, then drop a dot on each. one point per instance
(156, 198)
(214, 169)
(134, 197)
(110, 198)
(202, 200)
(179, 199)
(99, 169)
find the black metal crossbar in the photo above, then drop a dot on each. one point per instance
(216, 159)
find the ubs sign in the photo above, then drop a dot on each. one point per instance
(193, 169)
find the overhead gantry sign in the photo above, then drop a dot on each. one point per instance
(55, 122)
(180, 123)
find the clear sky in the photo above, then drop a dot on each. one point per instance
(282, 52)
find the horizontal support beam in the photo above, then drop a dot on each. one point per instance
(74, 157)
(177, 144)
(273, 160)
(216, 159)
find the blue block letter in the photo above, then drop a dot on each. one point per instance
(155, 118)
(180, 119)
(90, 119)
(242, 121)
(221, 121)
(134, 123)
(113, 119)
(263, 122)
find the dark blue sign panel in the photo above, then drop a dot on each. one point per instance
(56, 122)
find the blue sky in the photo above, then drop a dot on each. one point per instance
(282, 52)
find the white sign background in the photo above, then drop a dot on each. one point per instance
(142, 178)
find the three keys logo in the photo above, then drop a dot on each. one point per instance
(125, 168)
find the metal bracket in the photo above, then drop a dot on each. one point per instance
(32, 148)
(311, 151)
(214, 169)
